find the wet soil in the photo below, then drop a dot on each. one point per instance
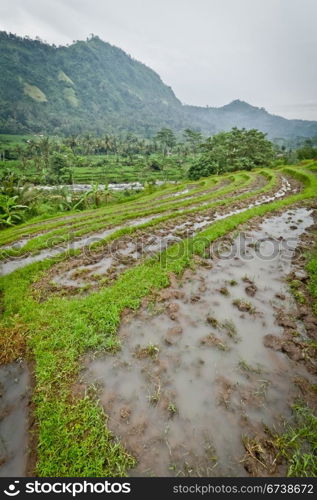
(56, 247)
(14, 403)
(73, 219)
(196, 378)
(91, 270)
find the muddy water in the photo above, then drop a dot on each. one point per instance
(13, 264)
(6, 267)
(14, 397)
(150, 243)
(193, 376)
(16, 245)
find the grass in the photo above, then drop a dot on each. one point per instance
(73, 439)
(92, 221)
(299, 296)
(244, 306)
(12, 343)
(298, 443)
(92, 224)
(65, 231)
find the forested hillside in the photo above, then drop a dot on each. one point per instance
(92, 86)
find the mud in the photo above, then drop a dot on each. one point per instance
(75, 218)
(9, 266)
(14, 399)
(206, 382)
(94, 269)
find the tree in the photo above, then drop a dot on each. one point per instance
(167, 139)
(307, 151)
(59, 168)
(193, 138)
(239, 149)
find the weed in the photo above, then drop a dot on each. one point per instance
(244, 306)
(230, 328)
(172, 408)
(298, 443)
(245, 367)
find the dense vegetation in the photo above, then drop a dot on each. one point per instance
(91, 86)
(230, 151)
(55, 161)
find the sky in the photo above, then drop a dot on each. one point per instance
(209, 51)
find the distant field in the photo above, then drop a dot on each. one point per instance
(15, 139)
(117, 170)
(104, 169)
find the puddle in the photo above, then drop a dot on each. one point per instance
(193, 375)
(14, 398)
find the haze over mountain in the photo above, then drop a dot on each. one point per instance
(92, 86)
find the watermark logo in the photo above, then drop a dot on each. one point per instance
(13, 491)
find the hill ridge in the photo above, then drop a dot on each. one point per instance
(93, 86)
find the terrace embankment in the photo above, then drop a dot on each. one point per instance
(71, 234)
(95, 268)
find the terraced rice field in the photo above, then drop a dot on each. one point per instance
(158, 336)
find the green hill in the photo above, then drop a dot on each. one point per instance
(92, 86)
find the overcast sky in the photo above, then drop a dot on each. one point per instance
(209, 51)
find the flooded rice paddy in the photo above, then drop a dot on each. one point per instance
(193, 375)
(53, 249)
(90, 268)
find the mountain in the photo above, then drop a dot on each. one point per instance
(241, 114)
(92, 86)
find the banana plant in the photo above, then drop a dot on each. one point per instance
(11, 213)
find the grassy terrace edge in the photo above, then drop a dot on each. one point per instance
(73, 439)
